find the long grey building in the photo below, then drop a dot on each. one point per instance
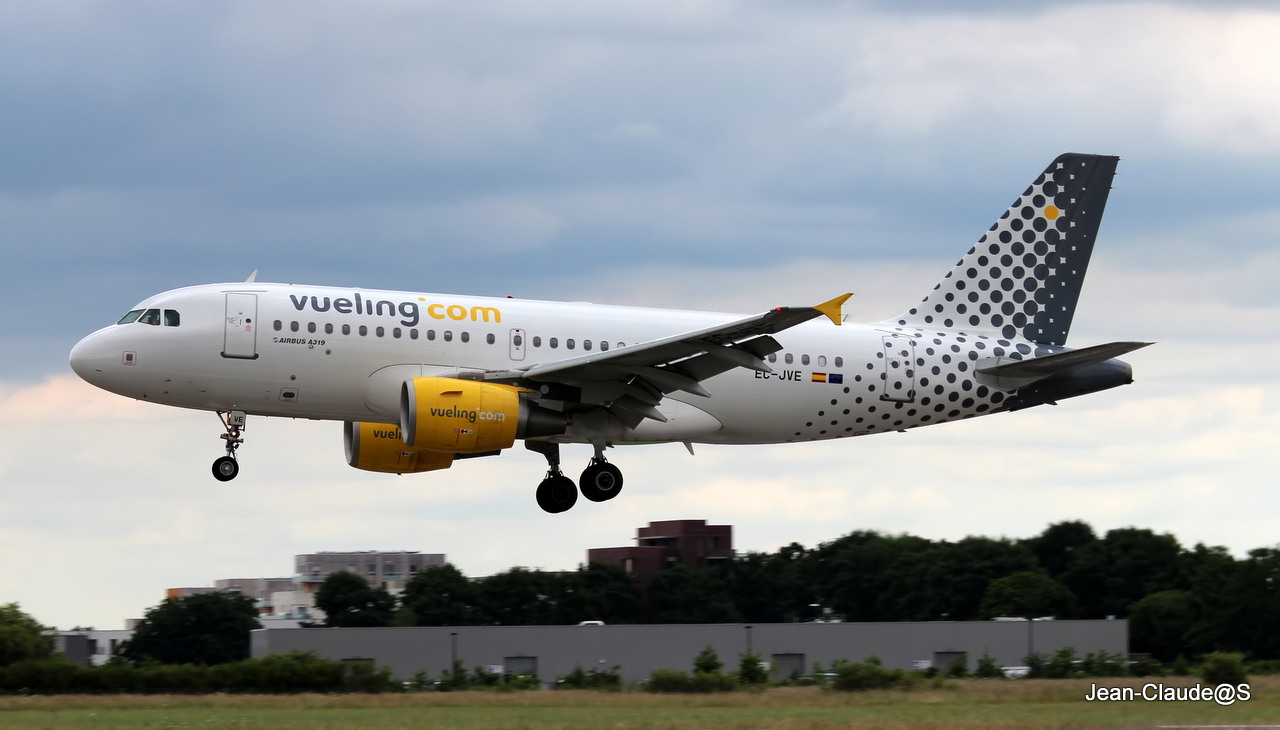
(548, 651)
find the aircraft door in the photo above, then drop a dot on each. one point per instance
(240, 339)
(899, 369)
(519, 342)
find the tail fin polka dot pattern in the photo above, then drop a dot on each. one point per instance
(1023, 277)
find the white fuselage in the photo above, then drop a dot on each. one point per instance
(341, 354)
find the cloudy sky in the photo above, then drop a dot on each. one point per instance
(731, 156)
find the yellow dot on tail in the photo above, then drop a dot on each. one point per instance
(1051, 212)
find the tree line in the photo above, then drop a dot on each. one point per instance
(1178, 600)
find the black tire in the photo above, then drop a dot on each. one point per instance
(557, 494)
(225, 469)
(600, 482)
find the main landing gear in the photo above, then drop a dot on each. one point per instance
(226, 468)
(600, 481)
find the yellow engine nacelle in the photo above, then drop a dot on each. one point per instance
(380, 447)
(461, 416)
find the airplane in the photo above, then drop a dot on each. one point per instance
(421, 380)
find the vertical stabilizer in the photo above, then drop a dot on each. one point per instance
(1023, 278)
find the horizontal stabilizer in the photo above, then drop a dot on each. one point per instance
(1007, 374)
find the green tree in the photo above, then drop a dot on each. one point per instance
(682, 595)
(1161, 623)
(516, 597)
(348, 601)
(1107, 576)
(440, 596)
(1057, 545)
(21, 636)
(1026, 593)
(207, 628)
(707, 661)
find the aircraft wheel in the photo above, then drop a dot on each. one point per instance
(601, 481)
(557, 494)
(225, 469)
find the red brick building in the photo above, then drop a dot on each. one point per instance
(692, 543)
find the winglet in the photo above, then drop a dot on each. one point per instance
(832, 308)
(252, 277)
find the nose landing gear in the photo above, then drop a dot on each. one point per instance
(226, 468)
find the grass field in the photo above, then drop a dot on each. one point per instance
(958, 704)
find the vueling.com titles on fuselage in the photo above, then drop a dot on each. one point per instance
(410, 312)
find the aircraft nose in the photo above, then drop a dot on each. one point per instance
(87, 359)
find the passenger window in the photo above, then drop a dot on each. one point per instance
(448, 335)
(537, 341)
(569, 343)
(152, 316)
(604, 345)
(395, 332)
(554, 343)
(413, 334)
(380, 331)
(586, 345)
(621, 345)
(346, 329)
(293, 326)
(364, 330)
(328, 328)
(839, 362)
(431, 335)
(277, 325)
(804, 359)
(822, 361)
(773, 357)
(465, 336)
(170, 318)
(131, 317)
(491, 339)
(311, 327)
(788, 358)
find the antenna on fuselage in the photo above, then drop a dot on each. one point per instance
(252, 277)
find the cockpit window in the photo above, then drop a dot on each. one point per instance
(131, 317)
(151, 316)
(171, 318)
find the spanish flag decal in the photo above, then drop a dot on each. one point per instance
(819, 377)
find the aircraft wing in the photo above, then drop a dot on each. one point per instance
(632, 380)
